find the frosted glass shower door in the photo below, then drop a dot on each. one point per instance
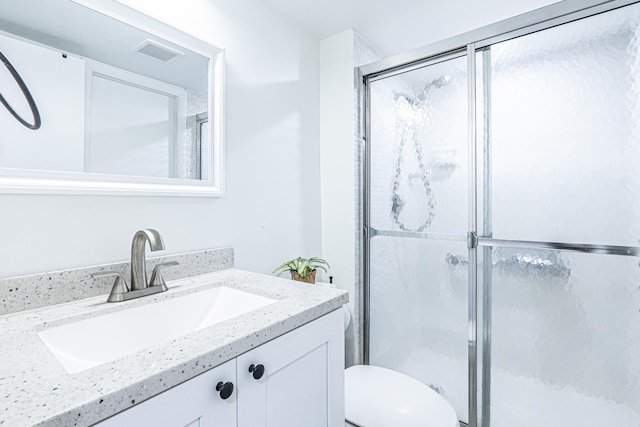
(563, 164)
(418, 258)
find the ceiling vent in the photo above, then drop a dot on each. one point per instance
(156, 50)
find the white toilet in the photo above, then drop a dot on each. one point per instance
(380, 397)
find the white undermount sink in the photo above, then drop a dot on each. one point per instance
(90, 342)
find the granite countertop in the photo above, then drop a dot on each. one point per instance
(36, 390)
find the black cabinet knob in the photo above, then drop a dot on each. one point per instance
(257, 371)
(225, 389)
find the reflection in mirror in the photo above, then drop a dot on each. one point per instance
(113, 100)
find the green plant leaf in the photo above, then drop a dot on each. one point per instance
(303, 267)
(318, 261)
(285, 266)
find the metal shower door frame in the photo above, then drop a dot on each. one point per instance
(469, 45)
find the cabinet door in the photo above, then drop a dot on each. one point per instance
(303, 379)
(194, 403)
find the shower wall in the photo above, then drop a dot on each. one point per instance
(558, 153)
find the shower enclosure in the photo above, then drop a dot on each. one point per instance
(502, 218)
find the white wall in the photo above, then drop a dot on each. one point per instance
(339, 55)
(337, 157)
(271, 211)
(337, 163)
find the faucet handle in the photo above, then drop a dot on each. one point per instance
(156, 276)
(119, 286)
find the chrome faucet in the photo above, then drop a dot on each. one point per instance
(139, 285)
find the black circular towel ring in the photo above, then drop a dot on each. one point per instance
(27, 95)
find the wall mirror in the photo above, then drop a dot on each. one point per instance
(99, 98)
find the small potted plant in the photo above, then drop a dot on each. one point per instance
(303, 269)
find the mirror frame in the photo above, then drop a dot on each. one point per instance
(25, 181)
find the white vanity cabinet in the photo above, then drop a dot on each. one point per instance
(297, 379)
(194, 403)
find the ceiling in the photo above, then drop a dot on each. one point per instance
(396, 26)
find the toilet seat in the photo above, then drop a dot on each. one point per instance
(380, 397)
